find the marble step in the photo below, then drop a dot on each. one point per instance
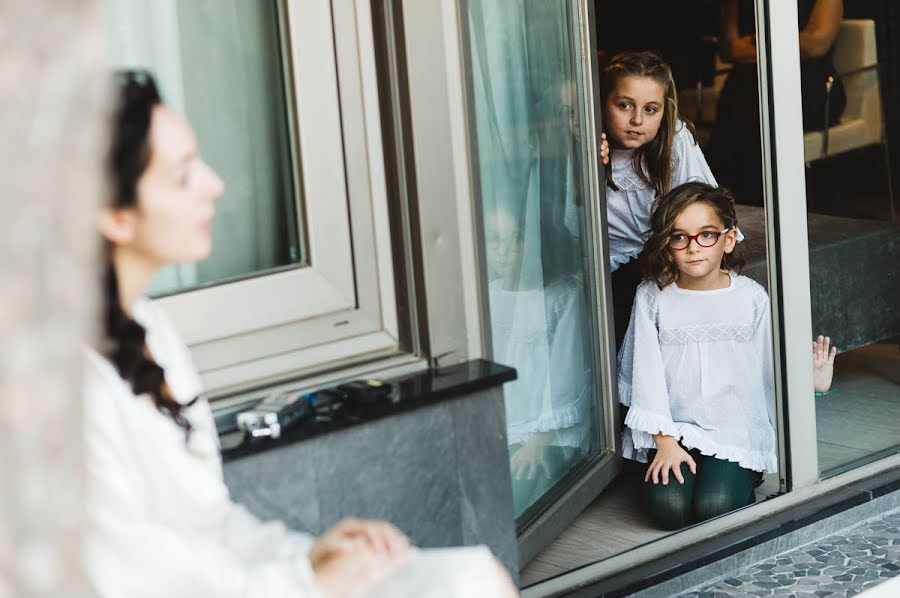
(854, 271)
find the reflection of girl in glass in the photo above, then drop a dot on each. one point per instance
(695, 369)
(161, 522)
(653, 150)
(538, 319)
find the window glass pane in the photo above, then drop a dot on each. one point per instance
(526, 77)
(854, 254)
(219, 62)
(695, 363)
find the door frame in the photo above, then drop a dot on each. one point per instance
(788, 264)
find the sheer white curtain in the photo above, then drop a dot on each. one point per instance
(524, 82)
(219, 63)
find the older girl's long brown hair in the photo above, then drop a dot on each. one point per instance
(656, 258)
(656, 154)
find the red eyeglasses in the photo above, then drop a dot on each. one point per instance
(706, 238)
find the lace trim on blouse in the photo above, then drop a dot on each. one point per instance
(626, 179)
(532, 336)
(624, 175)
(706, 333)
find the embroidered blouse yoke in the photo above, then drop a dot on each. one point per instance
(697, 365)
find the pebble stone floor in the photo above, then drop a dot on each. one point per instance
(844, 564)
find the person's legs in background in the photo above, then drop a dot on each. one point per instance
(734, 152)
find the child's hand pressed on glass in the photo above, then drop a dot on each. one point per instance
(531, 461)
(823, 363)
(669, 456)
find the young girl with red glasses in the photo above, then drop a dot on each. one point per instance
(696, 367)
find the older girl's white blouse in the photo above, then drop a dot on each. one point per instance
(697, 365)
(628, 207)
(160, 519)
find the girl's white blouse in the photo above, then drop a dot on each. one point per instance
(160, 519)
(697, 365)
(628, 208)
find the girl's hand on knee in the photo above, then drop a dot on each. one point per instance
(669, 456)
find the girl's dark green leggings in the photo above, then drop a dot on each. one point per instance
(719, 487)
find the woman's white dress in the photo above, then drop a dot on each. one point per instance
(697, 365)
(161, 522)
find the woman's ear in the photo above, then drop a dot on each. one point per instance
(117, 225)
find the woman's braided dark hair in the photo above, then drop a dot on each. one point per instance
(128, 157)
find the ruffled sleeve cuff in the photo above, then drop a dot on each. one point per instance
(564, 416)
(644, 424)
(575, 437)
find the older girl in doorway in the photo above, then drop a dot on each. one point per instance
(695, 369)
(653, 150)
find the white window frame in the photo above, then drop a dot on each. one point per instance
(340, 306)
(788, 243)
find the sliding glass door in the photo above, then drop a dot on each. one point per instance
(532, 124)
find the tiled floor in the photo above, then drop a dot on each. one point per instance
(836, 566)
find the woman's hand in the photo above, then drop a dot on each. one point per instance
(356, 555)
(744, 49)
(531, 460)
(822, 28)
(734, 47)
(823, 363)
(355, 570)
(669, 456)
(604, 149)
(378, 537)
